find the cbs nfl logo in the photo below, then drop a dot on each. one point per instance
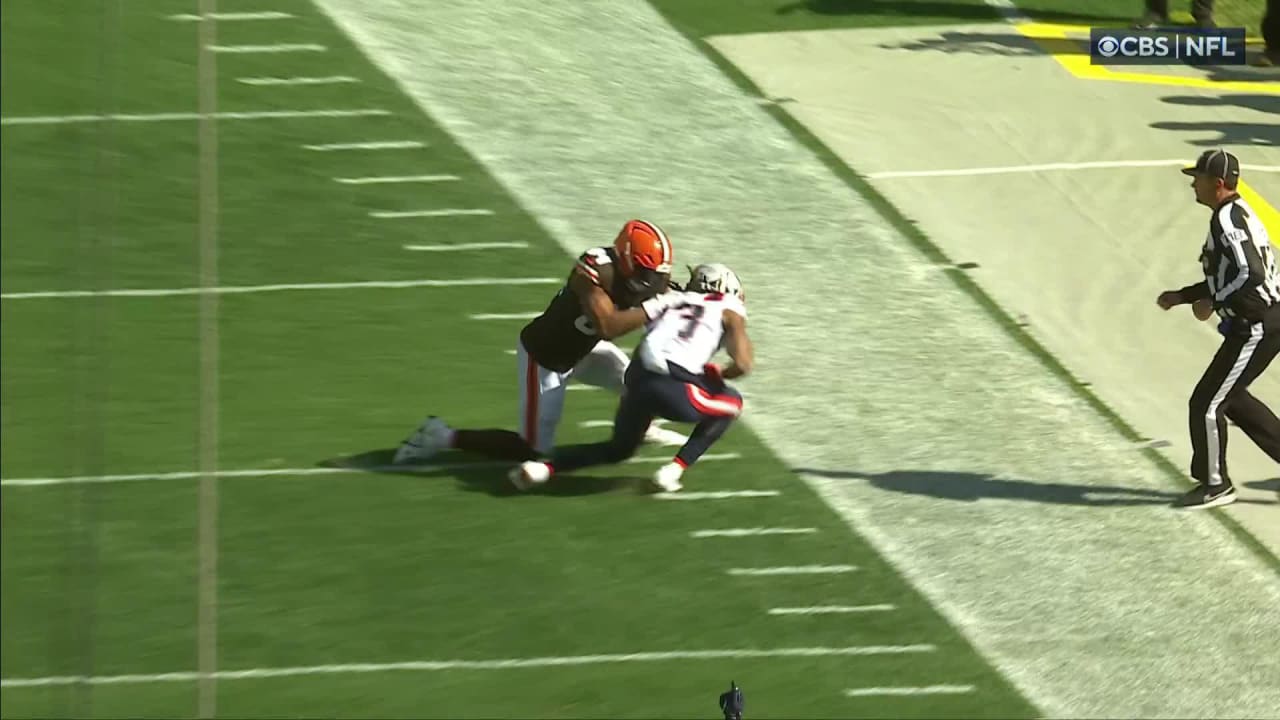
(1184, 46)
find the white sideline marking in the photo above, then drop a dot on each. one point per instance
(240, 289)
(503, 664)
(271, 15)
(580, 386)
(794, 570)
(964, 172)
(925, 690)
(717, 494)
(161, 117)
(395, 179)
(448, 212)
(505, 316)
(749, 532)
(377, 145)
(468, 246)
(298, 472)
(276, 48)
(331, 80)
(829, 609)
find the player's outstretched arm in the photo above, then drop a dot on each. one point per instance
(738, 345)
(609, 321)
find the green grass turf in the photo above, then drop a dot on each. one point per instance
(362, 567)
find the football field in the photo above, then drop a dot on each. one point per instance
(396, 190)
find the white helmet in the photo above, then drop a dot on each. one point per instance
(714, 278)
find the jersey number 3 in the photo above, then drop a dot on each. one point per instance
(694, 314)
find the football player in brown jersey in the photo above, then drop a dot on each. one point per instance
(610, 292)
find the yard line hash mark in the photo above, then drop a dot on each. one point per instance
(163, 117)
(505, 316)
(330, 80)
(499, 664)
(907, 691)
(751, 532)
(446, 212)
(241, 289)
(301, 472)
(717, 494)
(830, 609)
(382, 179)
(270, 15)
(794, 570)
(461, 247)
(374, 145)
(276, 48)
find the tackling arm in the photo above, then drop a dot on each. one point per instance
(738, 346)
(609, 321)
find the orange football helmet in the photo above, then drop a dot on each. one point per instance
(642, 244)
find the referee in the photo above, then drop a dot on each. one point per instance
(1242, 286)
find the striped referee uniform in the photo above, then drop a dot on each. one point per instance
(1240, 274)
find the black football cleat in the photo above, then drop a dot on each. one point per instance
(1208, 496)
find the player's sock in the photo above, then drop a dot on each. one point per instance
(496, 444)
(704, 435)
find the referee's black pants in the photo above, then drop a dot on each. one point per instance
(1223, 392)
(1271, 26)
(1201, 10)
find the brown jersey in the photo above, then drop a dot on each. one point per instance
(563, 334)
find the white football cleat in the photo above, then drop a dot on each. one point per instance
(425, 442)
(667, 479)
(529, 474)
(658, 435)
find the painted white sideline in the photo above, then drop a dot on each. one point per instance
(165, 117)
(300, 472)
(241, 289)
(999, 170)
(501, 664)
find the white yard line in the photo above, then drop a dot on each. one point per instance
(330, 80)
(581, 387)
(717, 494)
(498, 664)
(907, 691)
(446, 212)
(752, 532)
(462, 247)
(274, 48)
(163, 117)
(241, 289)
(374, 145)
(268, 15)
(794, 570)
(384, 179)
(830, 609)
(998, 170)
(505, 316)
(298, 472)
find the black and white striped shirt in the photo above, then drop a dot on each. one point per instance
(1239, 264)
